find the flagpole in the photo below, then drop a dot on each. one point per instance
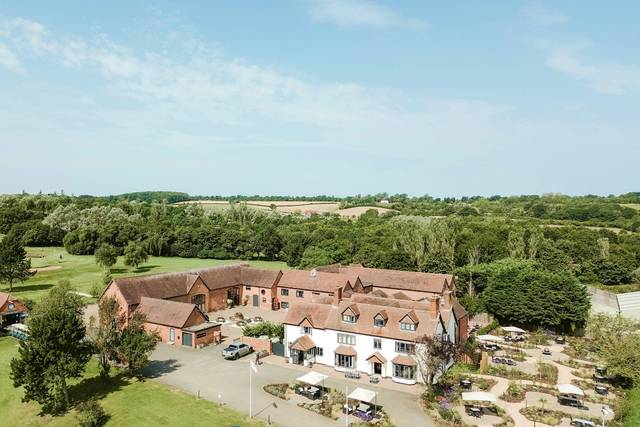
(346, 412)
(250, 387)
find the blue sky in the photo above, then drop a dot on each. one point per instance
(320, 97)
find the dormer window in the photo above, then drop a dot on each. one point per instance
(350, 314)
(380, 319)
(408, 326)
(348, 318)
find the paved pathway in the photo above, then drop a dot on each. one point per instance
(204, 371)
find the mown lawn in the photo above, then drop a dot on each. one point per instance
(128, 403)
(83, 272)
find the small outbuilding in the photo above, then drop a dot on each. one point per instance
(12, 310)
(179, 323)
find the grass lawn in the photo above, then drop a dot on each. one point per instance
(128, 403)
(83, 272)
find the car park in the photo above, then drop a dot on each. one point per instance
(236, 350)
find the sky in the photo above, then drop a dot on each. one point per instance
(307, 97)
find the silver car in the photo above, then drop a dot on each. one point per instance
(236, 350)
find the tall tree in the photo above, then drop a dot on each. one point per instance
(14, 264)
(106, 334)
(106, 256)
(515, 243)
(135, 254)
(136, 344)
(55, 351)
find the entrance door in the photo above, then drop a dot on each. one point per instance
(377, 368)
(301, 358)
(187, 339)
(256, 300)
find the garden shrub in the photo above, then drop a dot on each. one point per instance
(91, 414)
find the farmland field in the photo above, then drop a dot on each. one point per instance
(55, 264)
(290, 207)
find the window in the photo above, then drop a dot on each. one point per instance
(299, 294)
(318, 351)
(408, 326)
(344, 361)
(405, 347)
(201, 334)
(11, 306)
(248, 288)
(284, 292)
(347, 339)
(307, 330)
(315, 293)
(405, 372)
(378, 322)
(377, 343)
(284, 305)
(262, 292)
(198, 301)
(348, 318)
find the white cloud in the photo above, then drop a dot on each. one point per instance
(601, 76)
(353, 13)
(9, 60)
(544, 16)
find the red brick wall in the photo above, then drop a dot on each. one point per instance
(218, 299)
(463, 328)
(257, 343)
(307, 296)
(212, 335)
(113, 292)
(264, 296)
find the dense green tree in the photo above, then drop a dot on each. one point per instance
(55, 351)
(106, 333)
(106, 256)
(136, 344)
(14, 264)
(521, 292)
(135, 254)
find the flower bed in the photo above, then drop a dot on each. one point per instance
(278, 390)
(546, 416)
(517, 392)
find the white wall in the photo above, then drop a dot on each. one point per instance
(328, 340)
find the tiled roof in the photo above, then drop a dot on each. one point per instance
(168, 313)
(4, 297)
(403, 359)
(324, 316)
(377, 357)
(396, 279)
(303, 343)
(322, 282)
(171, 285)
(345, 350)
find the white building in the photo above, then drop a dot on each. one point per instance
(365, 333)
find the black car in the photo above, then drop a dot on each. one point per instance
(569, 401)
(601, 390)
(560, 340)
(546, 352)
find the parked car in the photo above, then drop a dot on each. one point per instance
(546, 352)
(600, 389)
(569, 401)
(599, 378)
(560, 340)
(582, 423)
(510, 362)
(235, 351)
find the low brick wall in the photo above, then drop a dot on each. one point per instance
(258, 344)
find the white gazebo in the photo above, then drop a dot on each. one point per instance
(514, 330)
(493, 338)
(570, 389)
(312, 378)
(364, 395)
(478, 396)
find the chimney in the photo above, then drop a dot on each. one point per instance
(337, 297)
(435, 305)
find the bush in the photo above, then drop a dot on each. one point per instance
(486, 329)
(96, 290)
(264, 328)
(91, 414)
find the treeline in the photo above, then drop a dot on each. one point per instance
(470, 245)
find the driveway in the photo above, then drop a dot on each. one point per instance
(206, 373)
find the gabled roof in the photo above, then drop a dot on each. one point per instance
(330, 317)
(396, 279)
(377, 357)
(3, 298)
(303, 343)
(353, 308)
(411, 315)
(383, 314)
(322, 282)
(168, 313)
(171, 285)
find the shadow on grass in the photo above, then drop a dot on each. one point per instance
(145, 268)
(96, 388)
(157, 368)
(29, 288)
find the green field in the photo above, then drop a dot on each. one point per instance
(83, 272)
(128, 403)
